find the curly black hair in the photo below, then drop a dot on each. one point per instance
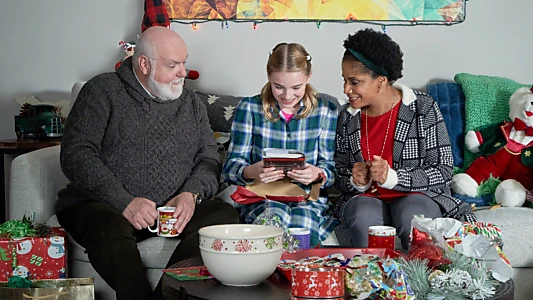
(377, 47)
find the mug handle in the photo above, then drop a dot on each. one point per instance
(156, 230)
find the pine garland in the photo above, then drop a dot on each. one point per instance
(417, 272)
(465, 278)
(458, 260)
(483, 286)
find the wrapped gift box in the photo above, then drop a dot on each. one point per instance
(36, 257)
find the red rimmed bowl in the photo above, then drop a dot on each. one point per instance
(241, 254)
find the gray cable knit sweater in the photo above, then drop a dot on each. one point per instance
(119, 144)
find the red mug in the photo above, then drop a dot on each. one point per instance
(381, 237)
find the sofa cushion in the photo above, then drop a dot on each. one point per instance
(486, 102)
(517, 232)
(155, 252)
(220, 110)
(451, 100)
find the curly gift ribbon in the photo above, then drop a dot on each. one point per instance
(491, 231)
(18, 282)
(16, 229)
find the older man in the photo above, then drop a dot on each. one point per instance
(136, 140)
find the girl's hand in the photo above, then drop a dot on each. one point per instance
(258, 172)
(306, 176)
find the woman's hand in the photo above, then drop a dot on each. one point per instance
(306, 176)
(258, 172)
(360, 173)
(379, 170)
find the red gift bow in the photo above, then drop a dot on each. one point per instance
(423, 247)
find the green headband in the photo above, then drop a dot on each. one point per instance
(372, 66)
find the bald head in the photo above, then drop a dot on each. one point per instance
(158, 42)
(159, 62)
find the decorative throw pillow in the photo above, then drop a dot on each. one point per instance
(486, 102)
(220, 110)
(451, 100)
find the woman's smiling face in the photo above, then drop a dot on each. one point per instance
(360, 87)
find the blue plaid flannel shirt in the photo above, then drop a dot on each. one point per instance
(314, 135)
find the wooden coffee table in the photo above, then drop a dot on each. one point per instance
(275, 287)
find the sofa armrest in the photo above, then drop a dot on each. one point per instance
(36, 177)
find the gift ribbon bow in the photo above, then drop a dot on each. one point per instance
(519, 125)
(16, 229)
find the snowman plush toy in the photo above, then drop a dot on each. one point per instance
(506, 150)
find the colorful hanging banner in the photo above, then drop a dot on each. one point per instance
(314, 10)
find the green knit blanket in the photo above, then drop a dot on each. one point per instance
(486, 102)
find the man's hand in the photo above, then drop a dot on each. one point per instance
(141, 213)
(306, 176)
(185, 205)
(360, 173)
(379, 170)
(266, 175)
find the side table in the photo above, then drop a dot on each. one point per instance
(17, 147)
(275, 287)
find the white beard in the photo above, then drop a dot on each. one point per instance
(164, 91)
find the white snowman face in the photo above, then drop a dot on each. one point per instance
(521, 106)
(57, 240)
(21, 271)
(24, 247)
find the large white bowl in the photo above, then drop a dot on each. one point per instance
(241, 254)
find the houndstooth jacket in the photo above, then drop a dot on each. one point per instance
(422, 154)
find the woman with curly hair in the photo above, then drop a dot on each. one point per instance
(393, 153)
(288, 114)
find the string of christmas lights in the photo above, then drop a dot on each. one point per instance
(382, 24)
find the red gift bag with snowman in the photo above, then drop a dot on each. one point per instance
(34, 257)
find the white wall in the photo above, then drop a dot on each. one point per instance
(48, 45)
